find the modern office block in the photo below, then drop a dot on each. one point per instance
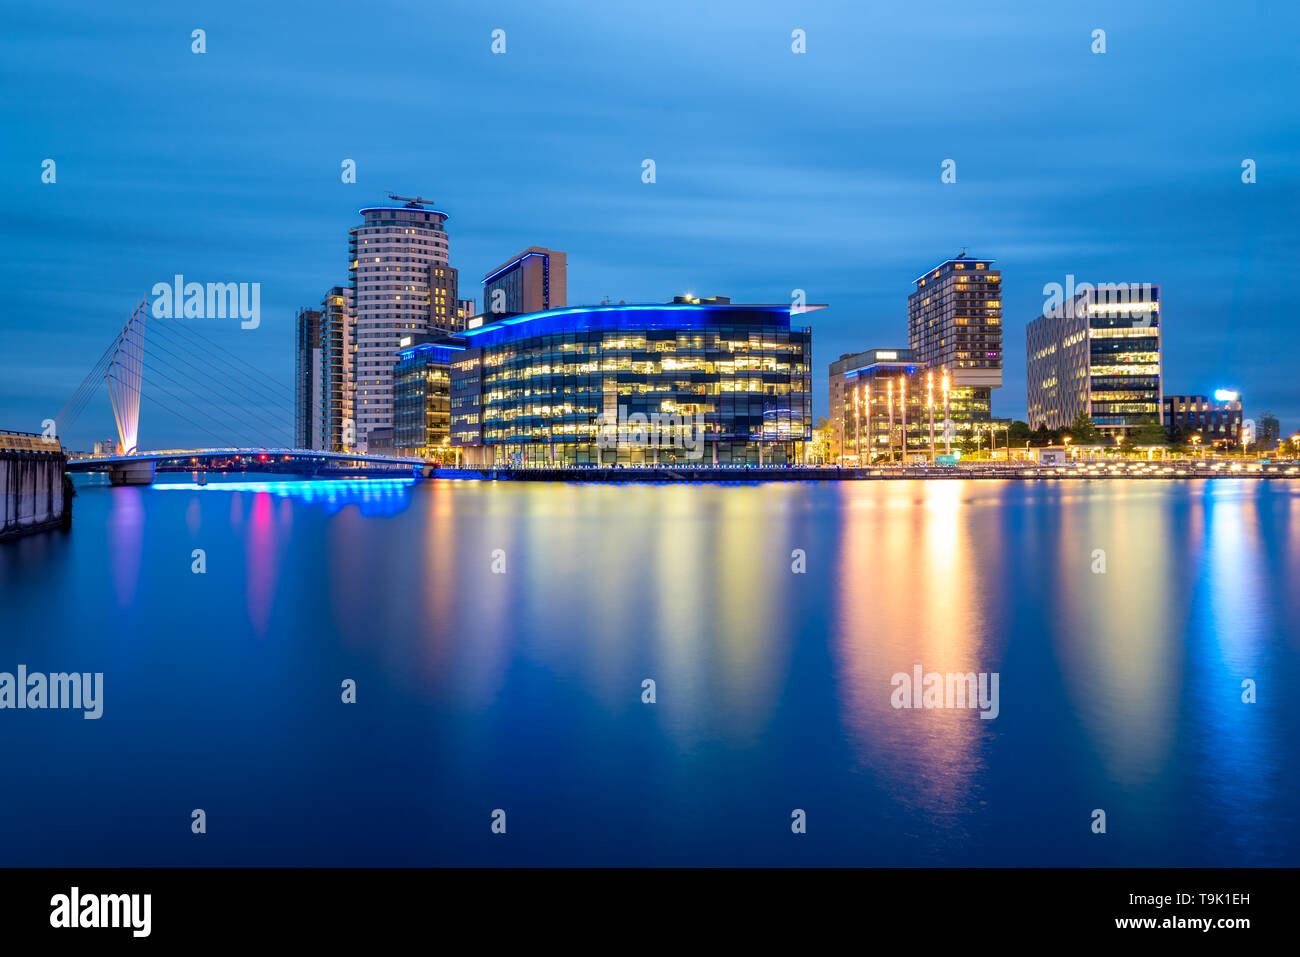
(533, 281)
(699, 381)
(1097, 353)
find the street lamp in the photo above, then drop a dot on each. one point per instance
(857, 427)
(889, 389)
(902, 401)
(866, 401)
(947, 437)
(929, 392)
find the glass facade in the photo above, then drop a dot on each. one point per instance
(635, 385)
(422, 402)
(1124, 362)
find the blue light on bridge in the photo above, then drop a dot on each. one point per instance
(373, 496)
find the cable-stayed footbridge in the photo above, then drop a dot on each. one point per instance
(235, 408)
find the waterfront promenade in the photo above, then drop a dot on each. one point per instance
(812, 473)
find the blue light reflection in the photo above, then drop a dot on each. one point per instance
(376, 497)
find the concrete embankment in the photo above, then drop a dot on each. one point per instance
(34, 487)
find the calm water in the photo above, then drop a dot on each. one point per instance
(522, 691)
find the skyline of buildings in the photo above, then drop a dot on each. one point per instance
(402, 290)
(1096, 352)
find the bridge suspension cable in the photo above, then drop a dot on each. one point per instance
(257, 379)
(213, 416)
(226, 394)
(263, 421)
(85, 392)
(185, 351)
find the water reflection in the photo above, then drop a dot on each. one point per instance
(125, 538)
(261, 561)
(908, 591)
(1229, 644)
(522, 689)
(373, 496)
(1118, 627)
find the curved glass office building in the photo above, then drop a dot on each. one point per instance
(691, 381)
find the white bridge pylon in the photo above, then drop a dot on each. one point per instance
(125, 375)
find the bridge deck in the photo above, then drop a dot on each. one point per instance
(96, 463)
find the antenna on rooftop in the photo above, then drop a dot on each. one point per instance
(410, 200)
(960, 255)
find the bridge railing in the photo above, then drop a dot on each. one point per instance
(266, 455)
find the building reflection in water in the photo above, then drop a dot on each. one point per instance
(721, 635)
(262, 512)
(1118, 632)
(440, 581)
(378, 497)
(1232, 640)
(910, 580)
(262, 546)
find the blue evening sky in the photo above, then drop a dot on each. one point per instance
(775, 171)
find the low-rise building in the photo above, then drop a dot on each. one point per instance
(1216, 420)
(422, 398)
(883, 401)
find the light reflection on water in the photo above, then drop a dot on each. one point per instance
(908, 592)
(375, 496)
(522, 689)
